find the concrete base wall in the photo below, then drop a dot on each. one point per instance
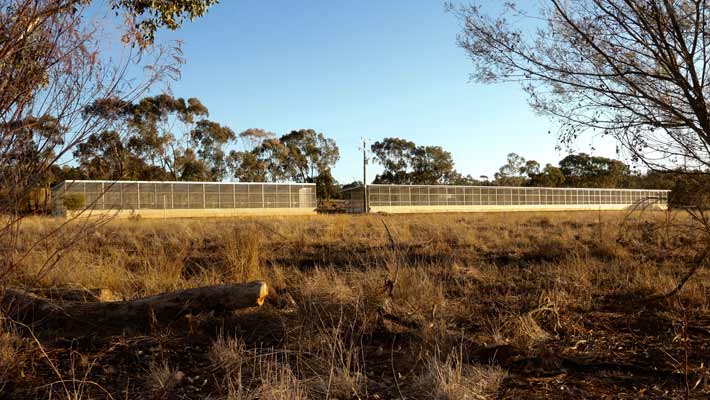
(509, 208)
(192, 213)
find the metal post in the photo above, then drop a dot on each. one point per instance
(138, 189)
(263, 202)
(366, 198)
(204, 202)
(84, 191)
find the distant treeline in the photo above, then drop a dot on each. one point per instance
(404, 162)
(167, 138)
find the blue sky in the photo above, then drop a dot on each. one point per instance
(358, 68)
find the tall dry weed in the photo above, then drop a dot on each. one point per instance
(243, 253)
(452, 379)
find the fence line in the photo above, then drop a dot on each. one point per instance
(440, 195)
(136, 195)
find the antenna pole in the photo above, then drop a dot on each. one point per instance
(365, 200)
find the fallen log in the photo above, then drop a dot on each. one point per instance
(75, 294)
(45, 315)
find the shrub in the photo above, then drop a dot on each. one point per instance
(690, 191)
(74, 201)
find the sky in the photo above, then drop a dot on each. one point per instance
(351, 69)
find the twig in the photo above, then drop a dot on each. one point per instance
(394, 373)
(390, 283)
(698, 262)
(270, 229)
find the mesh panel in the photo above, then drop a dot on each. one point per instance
(187, 195)
(441, 195)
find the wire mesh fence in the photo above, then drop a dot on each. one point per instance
(444, 195)
(138, 195)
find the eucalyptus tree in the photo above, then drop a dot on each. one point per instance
(161, 138)
(51, 68)
(405, 162)
(302, 155)
(636, 70)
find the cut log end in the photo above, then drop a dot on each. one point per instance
(263, 293)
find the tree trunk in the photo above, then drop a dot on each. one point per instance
(136, 315)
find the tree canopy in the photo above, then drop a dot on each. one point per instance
(404, 162)
(158, 137)
(302, 155)
(580, 170)
(636, 70)
(149, 16)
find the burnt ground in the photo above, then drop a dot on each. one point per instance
(619, 350)
(621, 342)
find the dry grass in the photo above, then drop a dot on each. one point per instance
(275, 381)
(251, 374)
(162, 380)
(481, 302)
(13, 352)
(452, 379)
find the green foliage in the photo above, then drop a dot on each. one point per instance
(299, 156)
(210, 138)
(514, 171)
(74, 201)
(459, 179)
(691, 190)
(152, 15)
(52, 66)
(157, 138)
(327, 187)
(583, 170)
(307, 154)
(28, 143)
(406, 163)
(551, 176)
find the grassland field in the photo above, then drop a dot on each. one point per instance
(501, 306)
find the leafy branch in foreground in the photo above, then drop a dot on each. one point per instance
(638, 71)
(51, 69)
